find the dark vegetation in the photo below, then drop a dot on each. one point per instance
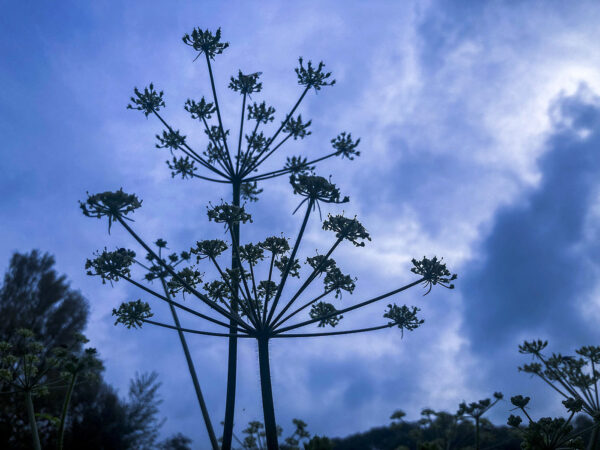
(34, 297)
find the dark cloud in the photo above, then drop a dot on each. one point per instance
(537, 267)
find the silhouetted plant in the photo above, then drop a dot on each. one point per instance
(255, 436)
(26, 368)
(574, 378)
(476, 410)
(249, 303)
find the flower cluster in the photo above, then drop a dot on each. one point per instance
(297, 128)
(349, 229)
(111, 265)
(210, 248)
(261, 113)
(316, 188)
(344, 146)
(326, 313)
(335, 280)
(202, 110)
(433, 272)
(277, 245)
(228, 214)
(298, 165)
(246, 84)
(148, 101)
(186, 279)
(312, 77)
(183, 166)
(132, 314)
(404, 317)
(170, 139)
(110, 204)
(205, 42)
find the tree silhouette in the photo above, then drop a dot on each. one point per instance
(247, 298)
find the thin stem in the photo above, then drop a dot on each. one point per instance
(273, 150)
(63, 414)
(214, 91)
(267, 393)
(196, 155)
(232, 350)
(332, 333)
(242, 304)
(280, 172)
(192, 370)
(351, 308)
(283, 124)
(291, 261)
(174, 274)
(192, 331)
(174, 303)
(268, 293)
(239, 149)
(292, 314)
(310, 279)
(32, 423)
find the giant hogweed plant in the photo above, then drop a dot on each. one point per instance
(573, 378)
(248, 298)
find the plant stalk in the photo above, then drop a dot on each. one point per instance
(267, 393)
(192, 370)
(232, 357)
(63, 414)
(32, 423)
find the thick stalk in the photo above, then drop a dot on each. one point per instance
(232, 357)
(477, 433)
(192, 370)
(267, 393)
(63, 414)
(32, 423)
(593, 444)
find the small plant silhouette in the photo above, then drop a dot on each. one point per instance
(248, 299)
(475, 411)
(575, 379)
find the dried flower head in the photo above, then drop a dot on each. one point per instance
(345, 228)
(404, 317)
(204, 41)
(312, 77)
(132, 314)
(201, 110)
(170, 139)
(228, 214)
(111, 265)
(210, 248)
(296, 128)
(246, 84)
(110, 204)
(344, 145)
(261, 113)
(324, 311)
(434, 272)
(148, 101)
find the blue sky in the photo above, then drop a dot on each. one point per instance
(480, 134)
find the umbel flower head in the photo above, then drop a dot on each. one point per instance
(404, 317)
(183, 166)
(202, 110)
(312, 77)
(204, 41)
(316, 189)
(277, 245)
(345, 146)
(349, 229)
(110, 204)
(228, 214)
(170, 139)
(298, 165)
(209, 248)
(246, 84)
(132, 314)
(148, 101)
(324, 311)
(434, 272)
(111, 265)
(296, 128)
(261, 113)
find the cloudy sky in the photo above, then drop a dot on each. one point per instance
(480, 133)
